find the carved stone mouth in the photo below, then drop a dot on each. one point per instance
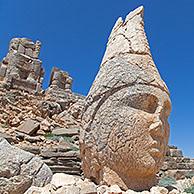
(156, 153)
(157, 134)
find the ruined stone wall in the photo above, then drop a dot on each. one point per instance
(176, 165)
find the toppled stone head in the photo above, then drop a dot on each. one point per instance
(60, 80)
(125, 122)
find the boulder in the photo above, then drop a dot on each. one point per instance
(87, 187)
(158, 190)
(61, 179)
(68, 190)
(15, 185)
(19, 162)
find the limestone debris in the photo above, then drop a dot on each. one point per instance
(68, 184)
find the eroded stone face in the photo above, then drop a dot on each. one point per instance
(60, 80)
(125, 121)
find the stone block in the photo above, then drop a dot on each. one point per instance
(29, 148)
(176, 153)
(61, 179)
(29, 127)
(35, 54)
(191, 165)
(184, 166)
(177, 174)
(27, 43)
(3, 70)
(29, 52)
(64, 169)
(21, 49)
(9, 138)
(66, 131)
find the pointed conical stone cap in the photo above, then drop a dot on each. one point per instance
(127, 59)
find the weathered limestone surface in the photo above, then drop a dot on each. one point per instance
(15, 185)
(20, 168)
(29, 127)
(125, 121)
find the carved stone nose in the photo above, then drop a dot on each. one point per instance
(156, 128)
(159, 110)
(155, 125)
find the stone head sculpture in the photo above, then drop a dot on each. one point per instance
(125, 121)
(60, 80)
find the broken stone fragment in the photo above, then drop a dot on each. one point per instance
(66, 131)
(29, 127)
(19, 162)
(87, 186)
(21, 49)
(61, 179)
(29, 52)
(3, 69)
(176, 153)
(15, 185)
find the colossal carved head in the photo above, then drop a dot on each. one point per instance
(125, 122)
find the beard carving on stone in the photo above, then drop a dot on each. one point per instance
(125, 121)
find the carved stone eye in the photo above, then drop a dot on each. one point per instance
(144, 102)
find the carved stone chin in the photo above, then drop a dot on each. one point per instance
(125, 122)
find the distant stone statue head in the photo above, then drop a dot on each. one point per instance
(60, 80)
(125, 122)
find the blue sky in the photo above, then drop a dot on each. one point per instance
(74, 34)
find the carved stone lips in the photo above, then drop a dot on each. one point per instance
(156, 149)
